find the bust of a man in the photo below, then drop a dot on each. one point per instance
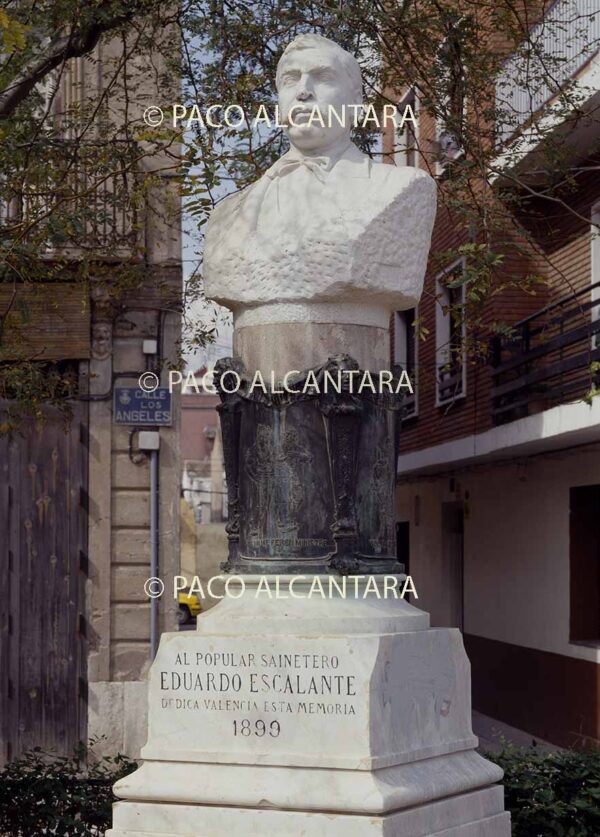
(326, 234)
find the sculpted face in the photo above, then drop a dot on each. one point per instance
(309, 77)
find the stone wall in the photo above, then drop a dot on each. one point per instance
(119, 476)
(119, 542)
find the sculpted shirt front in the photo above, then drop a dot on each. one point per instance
(321, 229)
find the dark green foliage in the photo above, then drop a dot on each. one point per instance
(547, 794)
(43, 794)
(551, 794)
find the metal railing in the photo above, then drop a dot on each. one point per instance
(75, 197)
(556, 50)
(549, 357)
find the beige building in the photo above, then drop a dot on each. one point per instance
(74, 615)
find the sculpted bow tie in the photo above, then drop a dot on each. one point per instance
(319, 166)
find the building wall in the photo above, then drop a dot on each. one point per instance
(119, 480)
(515, 580)
(563, 236)
(198, 413)
(560, 253)
(548, 240)
(119, 541)
(516, 588)
(470, 413)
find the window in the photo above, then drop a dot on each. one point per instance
(403, 547)
(407, 133)
(584, 561)
(449, 149)
(450, 335)
(63, 93)
(405, 354)
(451, 119)
(595, 300)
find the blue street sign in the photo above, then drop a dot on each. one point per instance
(131, 405)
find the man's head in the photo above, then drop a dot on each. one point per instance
(314, 71)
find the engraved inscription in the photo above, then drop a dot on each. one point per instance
(260, 683)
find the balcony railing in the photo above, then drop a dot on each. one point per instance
(409, 401)
(450, 381)
(557, 49)
(75, 198)
(549, 357)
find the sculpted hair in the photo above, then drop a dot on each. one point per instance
(314, 41)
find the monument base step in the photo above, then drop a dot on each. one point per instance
(476, 814)
(311, 718)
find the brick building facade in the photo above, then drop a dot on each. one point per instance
(498, 496)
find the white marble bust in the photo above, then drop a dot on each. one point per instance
(326, 234)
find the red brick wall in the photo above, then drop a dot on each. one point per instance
(559, 252)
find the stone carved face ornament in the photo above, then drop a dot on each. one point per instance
(101, 341)
(315, 73)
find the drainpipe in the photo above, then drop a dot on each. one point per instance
(149, 442)
(154, 549)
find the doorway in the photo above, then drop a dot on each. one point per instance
(453, 527)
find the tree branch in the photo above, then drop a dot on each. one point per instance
(63, 47)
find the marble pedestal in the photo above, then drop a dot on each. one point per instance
(311, 716)
(278, 338)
